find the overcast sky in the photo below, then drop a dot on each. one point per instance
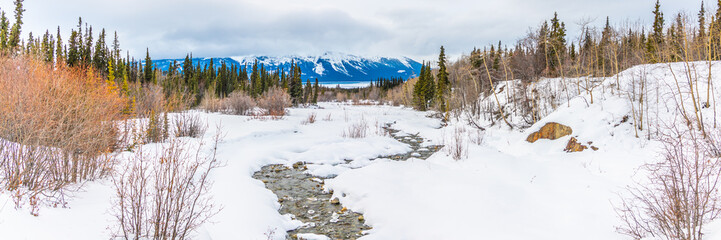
(413, 28)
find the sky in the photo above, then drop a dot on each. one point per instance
(392, 28)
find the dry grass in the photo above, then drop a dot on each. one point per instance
(357, 130)
(310, 120)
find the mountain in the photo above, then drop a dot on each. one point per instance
(330, 68)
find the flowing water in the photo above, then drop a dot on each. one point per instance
(302, 194)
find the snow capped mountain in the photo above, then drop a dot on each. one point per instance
(329, 68)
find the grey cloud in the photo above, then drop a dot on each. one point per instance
(414, 28)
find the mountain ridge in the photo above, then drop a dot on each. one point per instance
(328, 68)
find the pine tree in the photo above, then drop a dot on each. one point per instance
(603, 62)
(557, 48)
(443, 83)
(116, 46)
(255, 80)
(73, 56)
(701, 25)
(656, 38)
(100, 57)
(307, 93)
(14, 38)
(87, 47)
(296, 85)
(315, 91)
(148, 69)
(59, 56)
(4, 30)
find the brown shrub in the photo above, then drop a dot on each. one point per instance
(211, 103)
(275, 101)
(58, 126)
(238, 103)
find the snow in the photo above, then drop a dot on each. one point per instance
(345, 85)
(506, 188)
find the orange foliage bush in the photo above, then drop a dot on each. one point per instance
(57, 125)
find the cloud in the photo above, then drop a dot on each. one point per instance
(414, 28)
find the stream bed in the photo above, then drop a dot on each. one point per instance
(303, 196)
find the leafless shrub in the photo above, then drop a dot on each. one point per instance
(188, 124)
(680, 195)
(165, 195)
(457, 147)
(476, 136)
(328, 117)
(238, 103)
(275, 101)
(149, 99)
(357, 130)
(57, 127)
(310, 119)
(211, 103)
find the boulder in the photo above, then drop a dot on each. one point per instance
(574, 146)
(550, 131)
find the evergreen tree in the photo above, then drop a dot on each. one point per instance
(100, 57)
(295, 87)
(315, 91)
(655, 41)
(424, 89)
(701, 25)
(443, 83)
(116, 46)
(148, 70)
(87, 47)
(73, 49)
(4, 30)
(59, 56)
(307, 93)
(255, 80)
(603, 62)
(557, 43)
(14, 38)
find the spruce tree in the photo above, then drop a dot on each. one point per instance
(4, 30)
(315, 91)
(100, 57)
(148, 68)
(418, 90)
(73, 49)
(307, 93)
(14, 38)
(255, 80)
(295, 85)
(656, 38)
(59, 56)
(701, 25)
(443, 83)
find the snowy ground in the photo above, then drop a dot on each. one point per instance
(506, 188)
